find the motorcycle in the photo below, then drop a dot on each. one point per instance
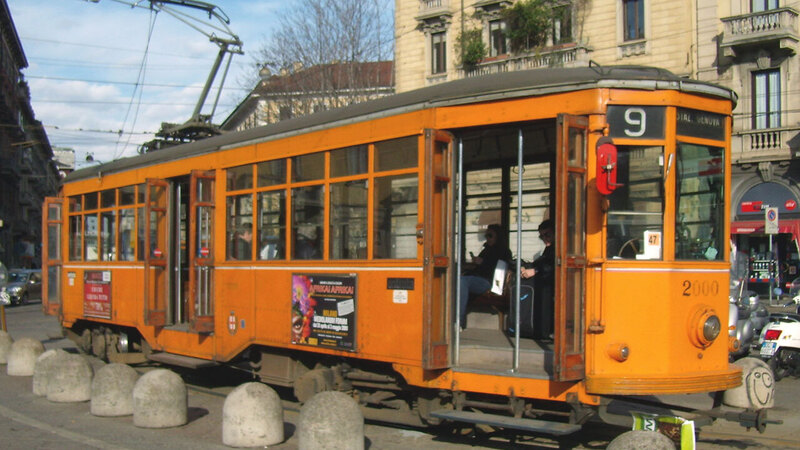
(780, 345)
(746, 318)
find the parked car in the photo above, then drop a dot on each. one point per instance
(22, 285)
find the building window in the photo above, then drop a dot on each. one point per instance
(562, 24)
(633, 17)
(767, 99)
(438, 53)
(763, 5)
(497, 38)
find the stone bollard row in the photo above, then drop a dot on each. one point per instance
(252, 416)
(112, 391)
(22, 357)
(331, 420)
(5, 346)
(160, 400)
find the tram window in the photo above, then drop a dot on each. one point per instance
(396, 217)
(307, 222)
(636, 207)
(90, 201)
(140, 233)
(75, 238)
(140, 193)
(75, 203)
(239, 177)
(271, 173)
(127, 195)
(271, 225)
(107, 245)
(700, 212)
(127, 234)
(108, 198)
(535, 207)
(483, 204)
(348, 222)
(90, 250)
(349, 161)
(240, 227)
(308, 167)
(396, 154)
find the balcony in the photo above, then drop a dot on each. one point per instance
(764, 145)
(775, 28)
(574, 55)
(431, 9)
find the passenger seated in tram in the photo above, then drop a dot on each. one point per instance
(242, 242)
(479, 279)
(541, 272)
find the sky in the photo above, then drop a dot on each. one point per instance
(85, 57)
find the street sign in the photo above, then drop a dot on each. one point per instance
(771, 221)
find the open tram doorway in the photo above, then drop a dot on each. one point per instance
(515, 177)
(178, 266)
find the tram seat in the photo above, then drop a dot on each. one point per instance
(499, 304)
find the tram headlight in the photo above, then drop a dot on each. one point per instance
(704, 326)
(711, 328)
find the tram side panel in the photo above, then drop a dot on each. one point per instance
(659, 318)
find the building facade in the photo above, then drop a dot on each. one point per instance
(27, 172)
(303, 91)
(747, 45)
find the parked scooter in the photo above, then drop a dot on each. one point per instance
(743, 306)
(780, 339)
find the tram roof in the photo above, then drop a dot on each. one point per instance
(468, 90)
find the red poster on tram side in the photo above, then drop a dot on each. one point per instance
(97, 294)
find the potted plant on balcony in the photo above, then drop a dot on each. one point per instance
(471, 47)
(527, 24)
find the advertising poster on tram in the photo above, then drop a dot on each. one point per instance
(97, 293)
(324, 310)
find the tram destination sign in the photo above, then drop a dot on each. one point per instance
(701, 124)
(636, 122)
(97, 293)
(324, 310)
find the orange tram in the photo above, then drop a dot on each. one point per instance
(324, 252)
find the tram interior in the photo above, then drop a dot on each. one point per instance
(490, 196)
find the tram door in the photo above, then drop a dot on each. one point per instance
(200, 301)
(51, 254)
(570, 247)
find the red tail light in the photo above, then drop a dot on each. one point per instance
(772, 335)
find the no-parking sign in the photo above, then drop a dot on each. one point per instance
(771, 221)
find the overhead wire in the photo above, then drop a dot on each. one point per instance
(139, 86)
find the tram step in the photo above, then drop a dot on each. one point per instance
(181, 361)
(534, 425)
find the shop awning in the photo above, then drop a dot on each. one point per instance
(791, 226)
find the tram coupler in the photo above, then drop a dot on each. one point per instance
(749, 418)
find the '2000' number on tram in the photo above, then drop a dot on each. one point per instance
(698, 288)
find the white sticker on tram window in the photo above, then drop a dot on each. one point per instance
(400, 296)
(107, 275)
(345, 307)
(652, 245)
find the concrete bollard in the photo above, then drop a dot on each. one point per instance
(160, 400)
(757, 390)
(5, 346)
(70, 379)
(641, 440)
(112, 390)
(43, 368)
(330, 420)
(252, 416)
(22, 357)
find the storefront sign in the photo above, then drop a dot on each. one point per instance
(97, 294)
(324, 311)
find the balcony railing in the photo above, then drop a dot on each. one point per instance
(433, 8)
(759, 145)
(561, 57)
(779, 25)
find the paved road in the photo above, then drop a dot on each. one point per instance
(27, 421)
